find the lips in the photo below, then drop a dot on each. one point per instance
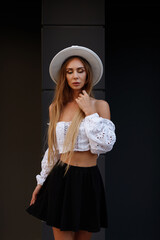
(75, 83)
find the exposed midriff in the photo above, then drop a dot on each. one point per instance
(83, 159)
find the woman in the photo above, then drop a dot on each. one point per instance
(70, 194)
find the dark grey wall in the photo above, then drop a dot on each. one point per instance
(134, 73)
(20, 101)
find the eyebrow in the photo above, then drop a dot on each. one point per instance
(77, 68)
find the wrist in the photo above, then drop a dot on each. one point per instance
(39, 185)
(90, 113)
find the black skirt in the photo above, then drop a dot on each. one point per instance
(72, 202)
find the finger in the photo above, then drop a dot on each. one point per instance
(80, 97)
(33, 201)
(84, 92)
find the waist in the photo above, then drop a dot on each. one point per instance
(83, 159)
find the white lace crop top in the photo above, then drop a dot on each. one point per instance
(96, 134)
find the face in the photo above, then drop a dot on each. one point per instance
(75, 73)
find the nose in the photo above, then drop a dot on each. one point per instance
(75, 74)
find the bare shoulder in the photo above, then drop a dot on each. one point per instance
(50, 109)
(51, 105)
(103, 108)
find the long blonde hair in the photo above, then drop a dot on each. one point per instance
(63, 94)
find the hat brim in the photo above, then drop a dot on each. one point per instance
(93, 59)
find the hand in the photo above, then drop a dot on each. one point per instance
(85, 103)
(34, 194)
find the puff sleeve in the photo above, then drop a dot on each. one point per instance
(45, 168)
(100, 132)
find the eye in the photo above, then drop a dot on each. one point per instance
(69, 72)
(81, 70)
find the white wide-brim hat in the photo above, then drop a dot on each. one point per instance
(93, 59)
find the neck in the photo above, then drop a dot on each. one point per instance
(76, 93)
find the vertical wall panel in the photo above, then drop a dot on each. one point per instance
(73, 13)
(134, 88)
(20, 76)
(64, 25)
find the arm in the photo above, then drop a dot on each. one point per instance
(45, 166)
(100, 129)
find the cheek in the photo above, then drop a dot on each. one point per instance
(84, 77)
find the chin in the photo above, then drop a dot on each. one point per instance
(77, 87)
